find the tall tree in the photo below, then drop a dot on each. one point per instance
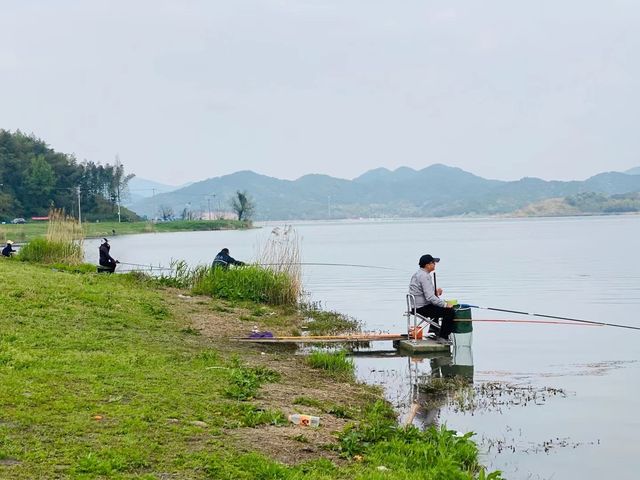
(39, 182)
(243, 205)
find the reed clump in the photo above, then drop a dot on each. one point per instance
(62, 243)
(274, 279)
(250, 283)
(280, 254)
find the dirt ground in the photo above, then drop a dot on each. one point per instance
(221, 322)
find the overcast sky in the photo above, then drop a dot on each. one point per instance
(186, 90)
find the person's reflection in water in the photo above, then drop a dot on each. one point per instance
(427, 404)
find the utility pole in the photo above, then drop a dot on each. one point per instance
(153, 203)
(209, 207)
(79, 209)
(118, 166)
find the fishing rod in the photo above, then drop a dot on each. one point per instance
(277, 264)
(545, 322)
(589, 322)
(152, 267)
(327, 265)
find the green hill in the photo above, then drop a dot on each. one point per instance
(34, 178)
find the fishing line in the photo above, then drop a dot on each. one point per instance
(152, 267)
(502, 320)
(279, 264)
(590, 322)
(329, 265)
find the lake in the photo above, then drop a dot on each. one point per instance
(548, 400)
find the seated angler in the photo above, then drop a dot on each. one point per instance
(8, 250)
(428, 301)
(107, 262)
(223, 259)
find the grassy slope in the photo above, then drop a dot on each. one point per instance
(77, 348)
(102, 379)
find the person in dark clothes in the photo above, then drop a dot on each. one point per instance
(8, 250)
(106, 260)
(223, 259)
(428, 301)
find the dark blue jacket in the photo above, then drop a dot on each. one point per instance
(223, 259)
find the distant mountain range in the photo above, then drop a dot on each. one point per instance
(140, 188)
(437, 190)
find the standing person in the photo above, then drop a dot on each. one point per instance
(223, 259)
(8, 250)
(106, 260)
(428, 301)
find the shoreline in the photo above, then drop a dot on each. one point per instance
(132, 378)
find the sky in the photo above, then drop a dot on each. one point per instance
(185, 90)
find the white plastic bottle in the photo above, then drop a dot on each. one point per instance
(304, 420)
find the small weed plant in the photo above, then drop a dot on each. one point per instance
(244, 382)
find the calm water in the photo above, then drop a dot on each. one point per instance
(576, 267)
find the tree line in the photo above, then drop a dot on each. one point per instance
(34, 178)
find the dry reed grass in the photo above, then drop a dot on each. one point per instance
(63, 228)
(62, 243)
(281, 254)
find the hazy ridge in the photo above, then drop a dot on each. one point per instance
(437, 190)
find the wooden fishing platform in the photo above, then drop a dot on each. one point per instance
(425, 345)
(360, 338)
(400, 341)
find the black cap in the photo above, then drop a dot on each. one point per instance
(425, 259)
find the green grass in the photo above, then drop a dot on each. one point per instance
(250, 283)
(32, 230)
(321, 322)
(100, 380)
(432, 454)
(246, 381)
(339, 411)
(41, 250)
(337, 363)
(94, 371)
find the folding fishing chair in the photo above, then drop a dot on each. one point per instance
(419, 321)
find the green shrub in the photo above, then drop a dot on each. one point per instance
(40, 250)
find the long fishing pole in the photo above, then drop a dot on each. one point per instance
(328, 265)
(542, 322)
(590, 322)
(276, 264)
(152, 267)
